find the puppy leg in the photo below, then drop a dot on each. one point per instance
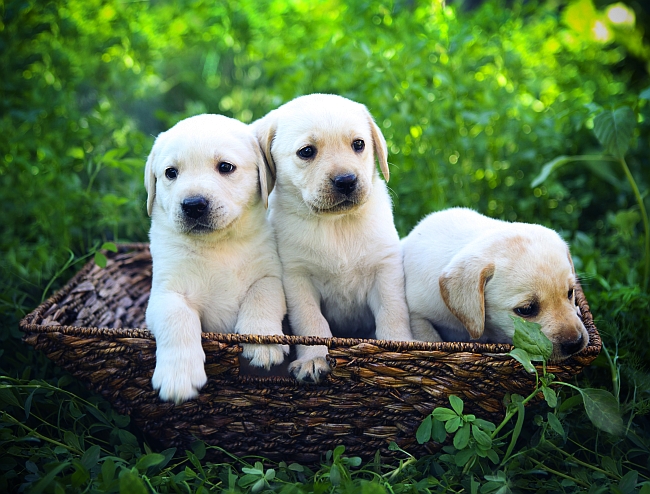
(180, 359)
(387, 301)
(261, 312)
(307, 319)
(423, 330)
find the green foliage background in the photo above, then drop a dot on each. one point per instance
(472, 104)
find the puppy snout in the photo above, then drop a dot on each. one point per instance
(195, 207)
(573, 346)
(345, 184)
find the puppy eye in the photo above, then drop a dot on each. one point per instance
(226, 168)
(358, 145)
(307, 153)
(570, 296)
(530, 310)
(171, 173)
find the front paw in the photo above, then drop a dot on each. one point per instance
(264, 355)
(179, 379)
(311, 370)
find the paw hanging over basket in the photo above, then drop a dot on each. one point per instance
(378, 392)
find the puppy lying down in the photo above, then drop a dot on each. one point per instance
(215, 261)
(466, 274)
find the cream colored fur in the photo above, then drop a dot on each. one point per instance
(220, 272)
(466, 274)
(342, 269)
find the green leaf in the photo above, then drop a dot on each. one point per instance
(528, 336)
(485, 425)
(481, 437)
(627, 485)
(150, 460)
(549, 168)
(452, 425)
(423, 434)
(602, 409)
(46, 481)
(614, 130)
(456, 404)
(550, 396)
(461, 439)
(90, 458)
(108, 470)
(198, 448)
(462, 457)
(521, 356)
(555, 424)
(438, 432)
(645, 489)
(109, 246)
(444, 414)
(335, 475)
(100, 259)
(131, 483)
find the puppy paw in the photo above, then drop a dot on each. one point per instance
(265, 355)
(179, 379)
(312, 370)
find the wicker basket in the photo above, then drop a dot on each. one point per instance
(378, 391)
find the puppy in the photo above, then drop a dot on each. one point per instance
(215, 261)
(342, 269)
(467, 273)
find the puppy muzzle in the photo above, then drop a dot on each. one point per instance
(196, 217)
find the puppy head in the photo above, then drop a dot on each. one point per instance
(526, 273)
(321, 148)
(203, 173)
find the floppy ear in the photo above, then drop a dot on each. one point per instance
(264, 130)
(462, 286)
(150, 181)
(267, 180)
(380, 147)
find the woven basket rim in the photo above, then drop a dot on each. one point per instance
(28, 324)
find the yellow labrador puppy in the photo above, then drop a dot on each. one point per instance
(467, 273)
(215, 261)
(342, 269)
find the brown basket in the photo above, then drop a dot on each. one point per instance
(378, 392)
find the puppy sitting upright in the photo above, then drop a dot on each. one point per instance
(467, 273)
(215, 262)
(342, 269)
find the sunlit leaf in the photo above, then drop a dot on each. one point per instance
(456, 404)
(528, 336)
(549, 168)
(614, 130)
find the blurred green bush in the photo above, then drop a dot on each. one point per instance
(472, 104)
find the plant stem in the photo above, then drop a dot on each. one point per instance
(580, 462)
(644, 218)
(511, 414)
(559, 474)
(38, 435)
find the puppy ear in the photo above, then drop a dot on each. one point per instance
(267, 180)
(264, 130)
(380, 147)
(150, 181)
(462, 286)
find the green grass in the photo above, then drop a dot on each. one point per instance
(473, 104)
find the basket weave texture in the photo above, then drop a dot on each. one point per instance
(379, 391)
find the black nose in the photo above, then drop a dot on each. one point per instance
(195, 207)
(345, 183)
(571, 347)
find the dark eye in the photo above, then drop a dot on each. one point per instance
(307, 153)
(570, 296)
(171, 173)
(358, 145)
(530, 310)
(226, 168)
